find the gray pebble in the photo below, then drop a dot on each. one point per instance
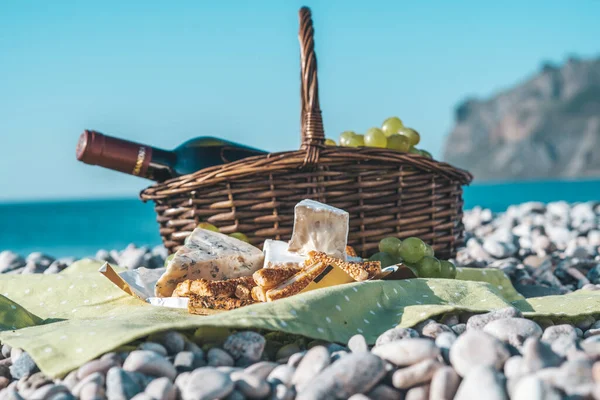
(513, 330)
(281, 392)
(90, 367)
(286, 351)
(5, 371)
(416, 374)
(445, 341)
(10, 261)
(70, 380)
(155, 347)
(407, 351)
(337, 355)
(15, 353)
(187, 361)
(476, 348)
(219, 358)
(295, 359)
(315, 360)
(23, 366)
(355, 373)
(235, 395)
(513, 367)
(574, 373)
(182, 379)
(563, 345)
(395, 334)
(538, 355)
(229, 370)
(162, 389)
(585, 322)
(6, 350)
(49, 390)
(149, 363)
(10, 394)
(173, 341)
(481, 320)
(194, 348)
(418, 393)
(120, 385)
(250, 386)
(554, 332)
(206, 383)
(482, 382)
(384, 392)
(261, 369)
(444, 383)
(357, 343)
(359, 396)
(434, 329)
(63, 396)
(533, 388)
(246, 345)
(282, 374)
(459, 329)
(142, 396)
(92, 391)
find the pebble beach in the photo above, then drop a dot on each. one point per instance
(545, 249)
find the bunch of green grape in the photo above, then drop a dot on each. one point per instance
(211, 227)
(392, 135)
(416, 255)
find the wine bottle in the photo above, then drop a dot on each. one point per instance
(149, 162)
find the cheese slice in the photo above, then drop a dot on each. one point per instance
(319, 227)
(209, 255)
(277, 255)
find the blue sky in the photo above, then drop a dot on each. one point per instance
(162, 72)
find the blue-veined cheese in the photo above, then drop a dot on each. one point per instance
(212, 256)
(319, 227)
(277, 255)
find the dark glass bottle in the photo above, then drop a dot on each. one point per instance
(157, 164)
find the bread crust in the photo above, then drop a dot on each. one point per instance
(206, 288)
(297, 282)
(197, 303)
(268, 278)
(359, 271)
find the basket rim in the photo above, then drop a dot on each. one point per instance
(293, 161)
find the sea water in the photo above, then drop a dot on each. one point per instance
(80, 228)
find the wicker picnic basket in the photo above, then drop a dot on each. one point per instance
(386, 192)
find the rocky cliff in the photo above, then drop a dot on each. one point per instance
(546, 127)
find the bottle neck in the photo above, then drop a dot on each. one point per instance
(125, 156)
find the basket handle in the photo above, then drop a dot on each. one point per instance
(312, 132)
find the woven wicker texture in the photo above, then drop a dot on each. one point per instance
(387, 193)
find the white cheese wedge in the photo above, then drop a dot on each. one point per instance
(212, 256)
(319, 227)
(277, 255)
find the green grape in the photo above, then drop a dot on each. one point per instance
(429, 267)
(208, 227)
(240, 236)
(169, 258)
(427, 154)
(414, 150)
(345, 137)
(448, 270)
(330, 142)
(375, 138)
(384, 258)
(356, 141)
(412, 135)
(390, 245)
(398, 142)
(412, 250)
(392, 125)
(429, 251)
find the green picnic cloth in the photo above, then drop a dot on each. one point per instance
(67, 319)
